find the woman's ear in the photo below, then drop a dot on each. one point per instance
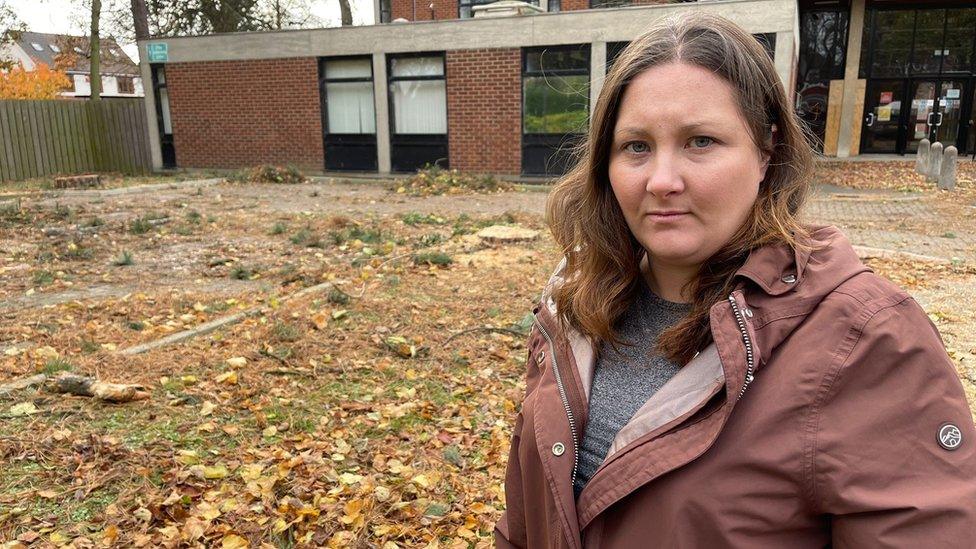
(766, 154)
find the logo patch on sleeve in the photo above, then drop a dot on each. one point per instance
(950, 437)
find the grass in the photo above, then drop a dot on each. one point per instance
(415, 218)
(123, 259)
(305, 237)
(140, 225)
(439, 259)
(243, 272)
(55, 365)
(278, 228)
(43, 278)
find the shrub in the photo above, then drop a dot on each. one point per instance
(440, 259)
(432, 180)
(268, 173)
(123, 259)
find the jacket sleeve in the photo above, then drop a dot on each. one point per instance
(879, 470)
(510, 529)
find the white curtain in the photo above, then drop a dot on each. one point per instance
(419, 106)
(348, 68)
(418, 66)
(350, 107)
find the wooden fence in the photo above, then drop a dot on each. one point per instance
(42, 138)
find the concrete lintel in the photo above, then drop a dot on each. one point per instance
(545, 29)
(784, 59)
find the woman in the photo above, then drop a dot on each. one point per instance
(706, 371)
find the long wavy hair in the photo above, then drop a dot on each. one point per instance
(603, 256)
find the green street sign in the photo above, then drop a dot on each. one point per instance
(158, 52)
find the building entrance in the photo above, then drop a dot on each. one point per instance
(900, 113)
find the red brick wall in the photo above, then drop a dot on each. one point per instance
(574, 5)
(443, 9)
(233, 114)
(484, 110)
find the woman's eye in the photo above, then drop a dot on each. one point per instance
(701, 142)
(636, 146)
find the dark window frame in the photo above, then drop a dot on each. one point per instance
(866, 70)
(390, 79)
(130, 87)
(324, 79)
(570, 72)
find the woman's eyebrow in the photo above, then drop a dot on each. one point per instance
(690, 126)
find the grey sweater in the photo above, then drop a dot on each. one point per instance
(622, 382)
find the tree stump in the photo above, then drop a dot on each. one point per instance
(86, 181)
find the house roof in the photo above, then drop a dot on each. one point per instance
(72, 53)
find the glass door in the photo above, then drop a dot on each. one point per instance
(882, 108)
(970, 145)
(922, 114)
(949, 112)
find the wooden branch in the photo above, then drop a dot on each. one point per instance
(90, 387)
(20, 384)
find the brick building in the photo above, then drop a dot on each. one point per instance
(507, 88)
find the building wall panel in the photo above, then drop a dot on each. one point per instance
(233, 114)
(484, 110)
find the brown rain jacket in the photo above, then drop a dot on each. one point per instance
(825, 413)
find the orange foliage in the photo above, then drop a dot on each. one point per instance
(41, 83)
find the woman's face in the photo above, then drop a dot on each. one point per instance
(683, 165)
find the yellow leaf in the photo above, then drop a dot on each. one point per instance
(215, 472)
(421, 480)
(207, 408)
(280, 526)
(251, 471)
(110, 534)
(58, 538)
(233, 541)
(349, 478)
(320, 320)
(229, 378)
(23, 409)
(187, 457)
(237, 362)
(270, 431)
(207, 511)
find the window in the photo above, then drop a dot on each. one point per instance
(125, 84)
(464, 6)
(823, 43)
(960, 28)
(419, 95)
(37, 46)
(768, 41)
(929, 35)
(555, 5)
(54, 48)
(385, 9)
(892, 42)
(555, 90)
(349, 96)
(71, 83)
(78, 50)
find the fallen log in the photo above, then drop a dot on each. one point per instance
(90, 387)
(20, 384)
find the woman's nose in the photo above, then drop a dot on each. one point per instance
(663, 177)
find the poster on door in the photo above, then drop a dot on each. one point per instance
(886, 97)
(884, 114)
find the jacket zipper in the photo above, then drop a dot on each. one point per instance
(750, 358)
(562, 395)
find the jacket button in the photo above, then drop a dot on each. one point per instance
(558, 449)
(747, 312)
(789, 279)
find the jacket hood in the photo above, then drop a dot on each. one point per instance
(782, 286)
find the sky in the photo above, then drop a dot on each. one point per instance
(67, 16)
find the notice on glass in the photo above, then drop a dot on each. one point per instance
(884, 114)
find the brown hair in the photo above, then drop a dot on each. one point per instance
(603, 256)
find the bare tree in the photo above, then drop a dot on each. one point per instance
(140, 19)
(95, 52)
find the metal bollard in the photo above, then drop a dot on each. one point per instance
(922, 156)
(935, 162)
(947, 175)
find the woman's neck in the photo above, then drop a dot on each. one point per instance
(668, 281)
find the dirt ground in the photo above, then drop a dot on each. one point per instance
(372, 411)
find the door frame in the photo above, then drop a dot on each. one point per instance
(355, 152)
(869, 108)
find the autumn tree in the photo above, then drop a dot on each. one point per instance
(40, 83)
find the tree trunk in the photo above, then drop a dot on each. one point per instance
(346, 12)
(95, 48)
(140, 19)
